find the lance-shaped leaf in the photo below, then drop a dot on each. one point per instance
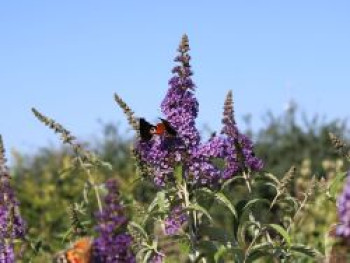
(259, 251)
(230, 181)
(138, 228)
(336, 183)
(283, 232)
(247, 208)
(220, 198)
(198, 208)
(308, 251)
(242, 229)
(215, 233)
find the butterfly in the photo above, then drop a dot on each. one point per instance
(79, 252)
(147, 130)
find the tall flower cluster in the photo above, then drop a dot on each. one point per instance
(179, 105)
(163, 153)
(239, 148)
(180, 108)
(343, 204)
(12, 226)
(113, 244)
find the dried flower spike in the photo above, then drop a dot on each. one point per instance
(128, 112)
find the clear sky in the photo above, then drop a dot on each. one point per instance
(67, 58)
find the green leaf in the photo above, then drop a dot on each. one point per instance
(220, 253)
(229, 254)
(139, 228)
(336, 183)
(259, 254)
(36, 246)
(280, 230)
(215, 233)
(64, 173)
(241, 232)
(86, 190)
(207, 248)
(272, 178)
(106, 165)
(259, 251)
(247, 208)
(219, 163)
(158, 199)
(255, 201)
(262, 246)
(141, 252)
(290, 201)
(308, 251)
(184, 247)
(178, 174)
(196, 207)
(162, 202)
(224, 200)
(147, 256)
(273, 186)
(230, 181)
(220, 198)
(206, 192)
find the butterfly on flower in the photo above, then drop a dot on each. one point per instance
(147, 130)
(79, 252)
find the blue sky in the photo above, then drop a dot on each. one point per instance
(67, 58)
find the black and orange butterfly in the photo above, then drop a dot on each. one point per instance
(147, 130)
(79, 252)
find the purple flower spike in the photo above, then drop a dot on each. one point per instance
(12, 225)
(179, 105)
(343, 205)
(113, 244)
(240, 154)
(180, 108)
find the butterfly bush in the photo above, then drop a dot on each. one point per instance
(163, 153)
(12, 225)
(191, 176)
(343, 229)
(113, 245)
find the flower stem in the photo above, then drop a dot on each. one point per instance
(92, 182)
(192, 218)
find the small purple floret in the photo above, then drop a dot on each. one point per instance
(174, 221)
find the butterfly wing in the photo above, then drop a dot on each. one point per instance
(80, 252)
(169, 129)
(145, 129)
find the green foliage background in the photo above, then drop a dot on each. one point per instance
(47, 186)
